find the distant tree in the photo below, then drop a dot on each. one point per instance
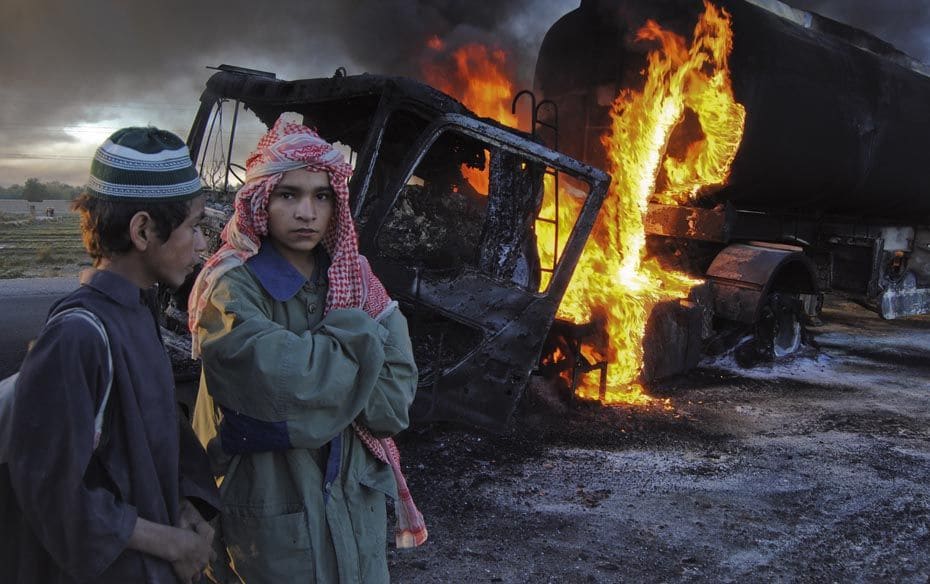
(59, 190)
(34, 191)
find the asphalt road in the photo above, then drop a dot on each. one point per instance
(24, 304)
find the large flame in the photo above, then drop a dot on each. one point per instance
(614, 275)
(614, 282)
(478, 77)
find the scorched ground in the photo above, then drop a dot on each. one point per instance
(814, 470)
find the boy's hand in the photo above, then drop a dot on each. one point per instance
(190, 518)
(188, 551)
(190, 555)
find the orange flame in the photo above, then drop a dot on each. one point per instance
(614, 275)
(435, 43)
(614, 279)
(479, 79)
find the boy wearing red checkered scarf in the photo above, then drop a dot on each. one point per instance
(307, 372)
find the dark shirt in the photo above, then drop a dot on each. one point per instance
(79, 506)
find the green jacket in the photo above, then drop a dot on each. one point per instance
(286, 380)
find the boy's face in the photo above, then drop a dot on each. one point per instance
(299, 211)
(170, 262)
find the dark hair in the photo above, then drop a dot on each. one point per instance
(105, 222)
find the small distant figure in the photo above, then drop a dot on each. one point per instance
(50, 211)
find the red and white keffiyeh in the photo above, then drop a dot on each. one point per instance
(352, 284)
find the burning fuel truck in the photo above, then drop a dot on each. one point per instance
(824, 184)
(446, 206)
(765, 154)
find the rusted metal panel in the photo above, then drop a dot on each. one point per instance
(742, 276)
(689, 222)
(750, 265)
(673, 339)
(737, 303)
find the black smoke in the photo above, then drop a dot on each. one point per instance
(113, 63)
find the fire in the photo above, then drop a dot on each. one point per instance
(615, 282)
(479, 78)
(614, 274)
(435, 43)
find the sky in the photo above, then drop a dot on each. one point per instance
(74, 72)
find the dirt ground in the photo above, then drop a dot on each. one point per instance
(816, 469)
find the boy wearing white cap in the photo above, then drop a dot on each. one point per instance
(129, 504)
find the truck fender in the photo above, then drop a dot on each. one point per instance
(744, 274)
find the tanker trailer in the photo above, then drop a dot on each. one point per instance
(828, 189)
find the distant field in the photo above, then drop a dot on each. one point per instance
(41, 247)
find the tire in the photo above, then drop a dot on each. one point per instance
(780, 328)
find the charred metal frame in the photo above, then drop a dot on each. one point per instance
(510, 322)
(553, 126)
(485, 386)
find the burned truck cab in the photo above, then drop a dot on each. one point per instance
(447, 206)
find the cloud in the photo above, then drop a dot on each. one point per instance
(116, 62)
(112, 63)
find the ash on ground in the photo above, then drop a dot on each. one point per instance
(811, 469)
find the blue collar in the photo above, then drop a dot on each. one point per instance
(278, 276)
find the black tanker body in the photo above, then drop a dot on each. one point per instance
(836, 120)
(829, 188)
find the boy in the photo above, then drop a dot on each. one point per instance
(307, 362)
(132, 508)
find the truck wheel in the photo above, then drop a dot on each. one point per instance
(779, 328)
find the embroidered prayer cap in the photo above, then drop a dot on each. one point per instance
(143, 164)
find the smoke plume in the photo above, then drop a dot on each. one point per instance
(75, 71)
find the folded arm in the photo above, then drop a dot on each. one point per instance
(280, 389)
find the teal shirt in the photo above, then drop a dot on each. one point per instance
(273, 361)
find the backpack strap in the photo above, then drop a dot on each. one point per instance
(93, 320)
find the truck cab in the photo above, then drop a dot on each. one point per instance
(447, 207)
